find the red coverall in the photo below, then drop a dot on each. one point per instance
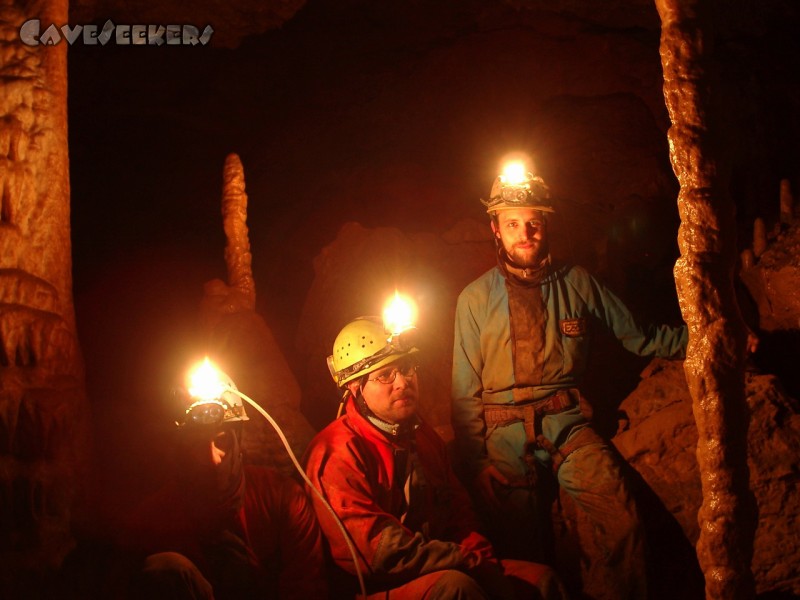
(406, 548)
(281, 557)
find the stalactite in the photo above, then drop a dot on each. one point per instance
(714, 363)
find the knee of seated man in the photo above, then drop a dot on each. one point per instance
(550, 586)
(456, 585)
(168, 562)
(170, 575)
(534, 580)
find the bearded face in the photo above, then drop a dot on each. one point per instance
(523, 233)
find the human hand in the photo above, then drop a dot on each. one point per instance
(479, 546)
(493, 581)
(484, 483)
(752, 342)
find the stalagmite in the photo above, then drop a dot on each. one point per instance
(714, 363)
(759, 237)
(240, 340)
(748, 258)
(787, 202)
(234, 214)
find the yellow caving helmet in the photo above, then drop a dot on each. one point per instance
(528, 192)
(363, 346)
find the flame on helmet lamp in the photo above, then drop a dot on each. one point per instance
(514, 173)
(205, 382)
(399, 314)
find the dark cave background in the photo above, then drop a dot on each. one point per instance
(389, 115)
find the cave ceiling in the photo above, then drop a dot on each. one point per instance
(234, 21)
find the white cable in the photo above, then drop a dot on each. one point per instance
(300, 470)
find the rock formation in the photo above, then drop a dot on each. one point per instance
(241, 342)
(771, 272)
(44, 435)
(660, 443)
(704, 277)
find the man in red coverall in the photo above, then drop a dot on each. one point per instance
(221, 529)
(387, 477)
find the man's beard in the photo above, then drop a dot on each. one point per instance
(528, 258)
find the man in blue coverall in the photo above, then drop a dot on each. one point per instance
(522, 336)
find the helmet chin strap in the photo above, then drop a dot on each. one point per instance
(393, 429)
(523, 274)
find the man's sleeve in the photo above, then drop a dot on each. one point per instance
(467, 409)
(464, 522)
(388, 552)
(662, 341)
(303, 570)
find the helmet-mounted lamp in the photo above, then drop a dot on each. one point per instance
(368, 343)
(517, 187)
(399, 316)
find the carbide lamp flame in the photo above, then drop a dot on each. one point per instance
(205, 382)
(514, 173)
(399, 314)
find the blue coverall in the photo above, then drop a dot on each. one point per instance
(483, 375)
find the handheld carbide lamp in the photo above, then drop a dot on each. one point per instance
(212, 393)
(214, 397)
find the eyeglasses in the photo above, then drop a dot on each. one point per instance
(407, 371)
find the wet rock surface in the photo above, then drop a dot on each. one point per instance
(774, 279)
(660, 444)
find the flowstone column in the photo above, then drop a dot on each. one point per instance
(714, 363)
(43, 407)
